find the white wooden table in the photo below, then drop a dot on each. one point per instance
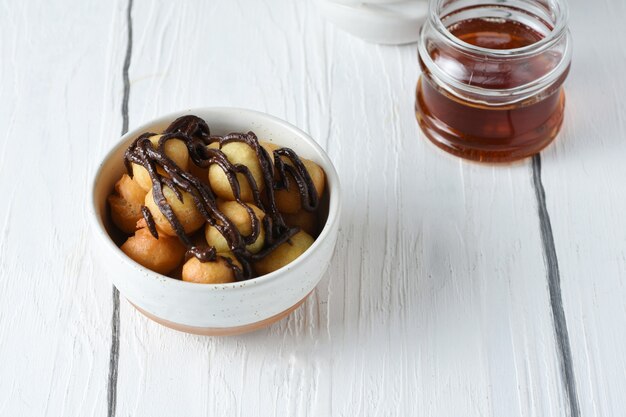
(457, 289)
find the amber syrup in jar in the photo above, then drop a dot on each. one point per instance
(484, 93)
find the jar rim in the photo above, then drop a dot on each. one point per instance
(558, 39)
(560, 27)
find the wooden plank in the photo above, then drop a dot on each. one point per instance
(437, 299)
(60, 110)
(583, 174)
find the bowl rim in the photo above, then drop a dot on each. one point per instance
(332, 180)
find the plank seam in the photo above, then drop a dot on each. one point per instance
(115, 317)
(554, 286)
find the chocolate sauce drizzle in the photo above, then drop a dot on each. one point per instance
(196, 135)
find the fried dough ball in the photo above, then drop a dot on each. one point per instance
(126, 204)
(185, 211)
(303, 219)
(123, 213)
(175, 149)
(218, 272)
(237, 153)
(284, 254)
(269, 147)
(240, 217)
(161, 255)
(130, 190)
(288, 201)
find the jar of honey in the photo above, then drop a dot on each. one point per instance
(492, 75)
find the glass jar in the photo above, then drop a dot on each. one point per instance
(492, 76)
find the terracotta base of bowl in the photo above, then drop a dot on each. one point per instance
(222, 331)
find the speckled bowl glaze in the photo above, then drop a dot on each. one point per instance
(220, 309)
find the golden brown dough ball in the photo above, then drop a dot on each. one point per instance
(123, 213)
(303, 219)
(284, 254)
(161, 255)
(269, 147)
(126, 204)
(288, 201)
(240, 217)
(141, 223)
(218, 272)
(237, 153)
(130, 190)
(186, 212)
(175, 149)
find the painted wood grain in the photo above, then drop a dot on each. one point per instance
(583, 175)
(59, 110)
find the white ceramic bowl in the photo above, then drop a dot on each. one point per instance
(217, 308)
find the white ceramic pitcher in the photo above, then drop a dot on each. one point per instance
(377, 21)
